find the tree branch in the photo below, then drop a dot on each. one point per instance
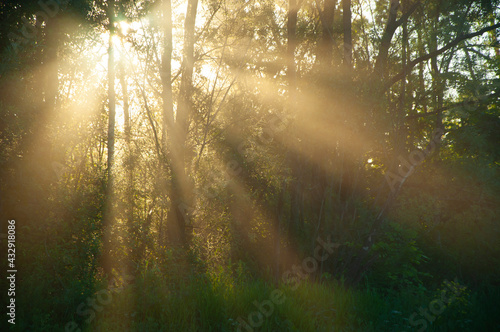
(390, 29)
(440, 51)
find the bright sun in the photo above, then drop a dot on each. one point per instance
(123, 51)
(125, 27)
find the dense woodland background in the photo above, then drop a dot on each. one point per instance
(185, 157)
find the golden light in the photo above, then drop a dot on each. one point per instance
(124, 28)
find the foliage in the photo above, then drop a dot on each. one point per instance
(246, 136)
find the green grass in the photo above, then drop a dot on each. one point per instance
(156, 301)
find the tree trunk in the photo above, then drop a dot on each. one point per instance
(108, 218)
(293, 9)
(325, 54)
(166, 74)
(294, 157)
(401, 112)
(168, 111)
(438, 89)
(181, 190)
(129, 162)
(346, 22)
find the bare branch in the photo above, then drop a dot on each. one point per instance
(390, 29)
(440, 51)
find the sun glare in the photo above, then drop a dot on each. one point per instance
(123, 53)
(123, 27)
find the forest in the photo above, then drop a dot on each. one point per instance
(250, 165)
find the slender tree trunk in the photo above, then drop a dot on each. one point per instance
(438, 90)
(168, 127)
(327, 41)
(184, 108)
(293, 9)
(108, 218)
(295, 157)
(166, 74)
(346, 22)
(129, 161)
(181, 189)
(385, 43)
(421, 51)
(111, 95)
(400, 116)
(345, 181)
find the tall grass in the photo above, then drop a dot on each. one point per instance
(215, 301)
(218, 300)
